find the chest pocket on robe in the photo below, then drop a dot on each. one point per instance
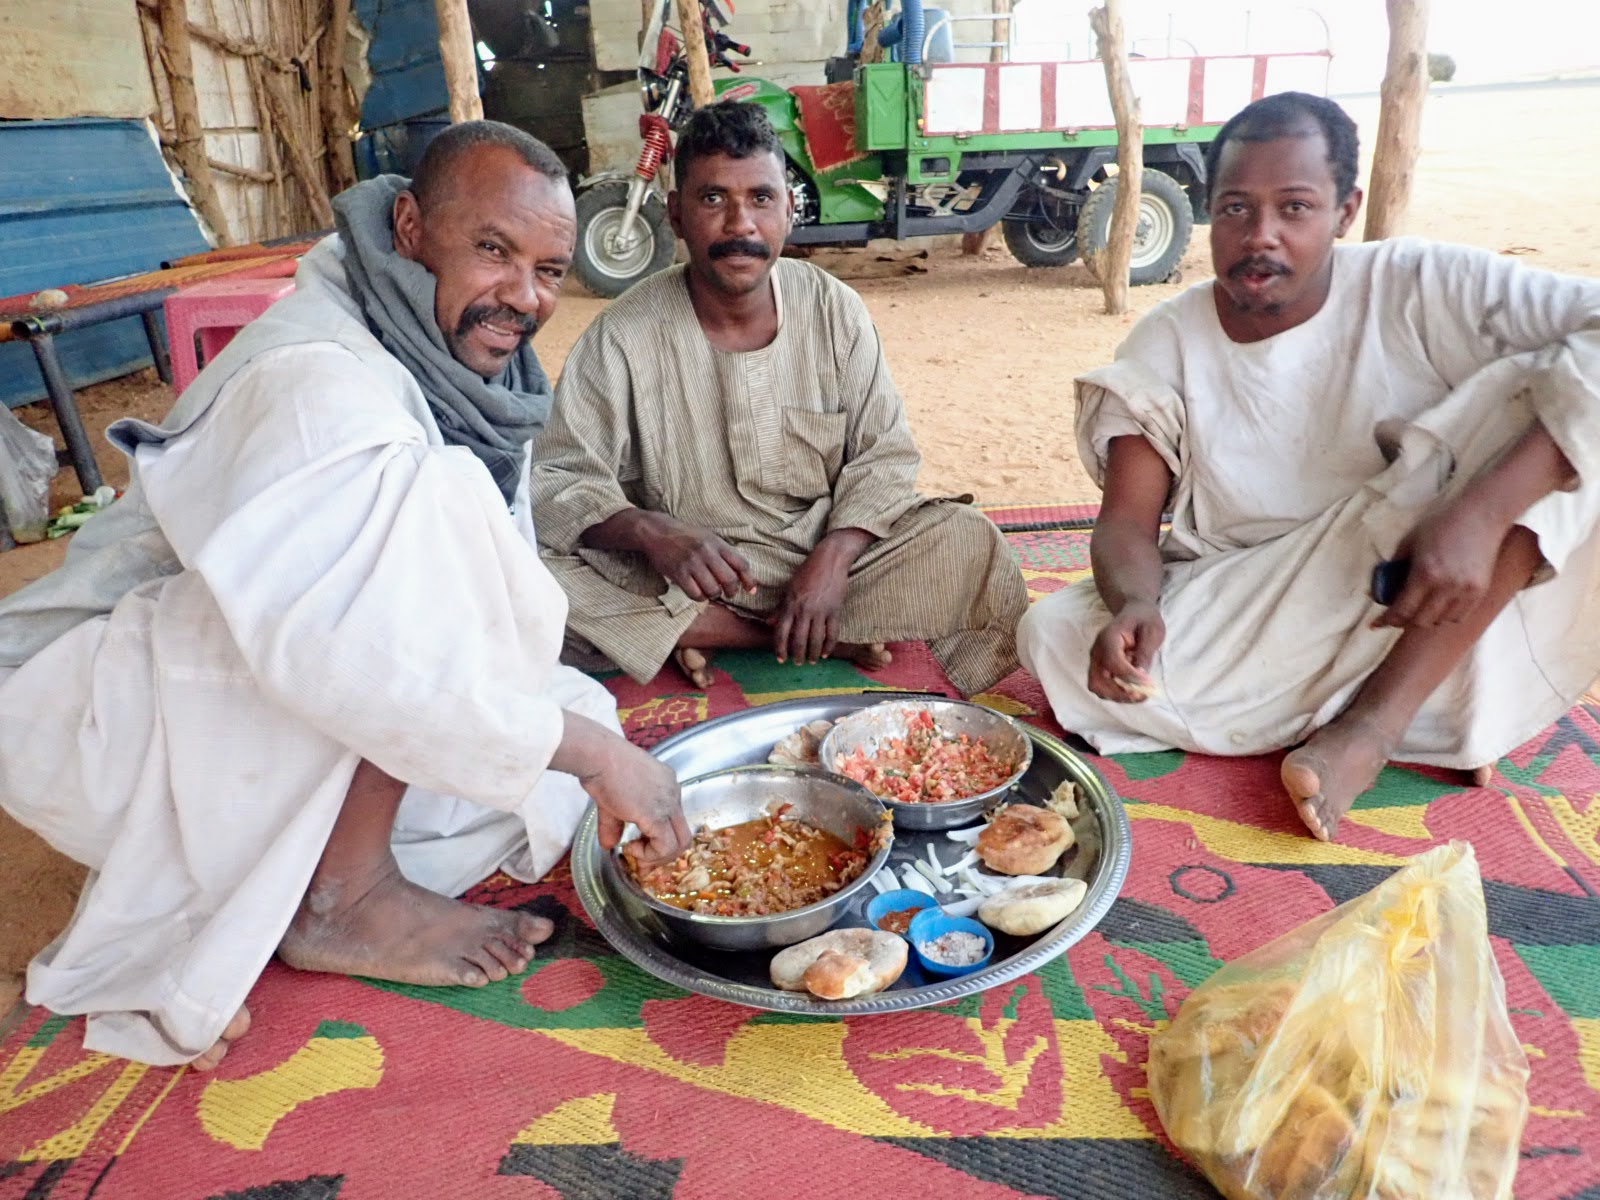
(813, 451)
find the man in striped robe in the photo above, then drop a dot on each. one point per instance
(728, 462)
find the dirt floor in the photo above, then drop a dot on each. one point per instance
(985, 352)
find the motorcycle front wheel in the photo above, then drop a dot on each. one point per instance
(607, 262)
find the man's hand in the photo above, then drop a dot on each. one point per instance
(1125, 647)
(697, 560)
(627, 785)
(1452, 552)
(805, 625)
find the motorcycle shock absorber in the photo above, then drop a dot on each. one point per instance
(657, 135)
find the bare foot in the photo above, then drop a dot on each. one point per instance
(696, 664)
(1324, 776)
(389, 928)
(1482, 776)
(869, 657)
(237, 1028)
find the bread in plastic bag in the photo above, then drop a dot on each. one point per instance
(27, 465)
(1366, 1055)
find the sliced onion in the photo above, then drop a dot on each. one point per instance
(915, 881)
(940, 884)
(963, 908)
(969, 836)
(876, 879)
(967, 860)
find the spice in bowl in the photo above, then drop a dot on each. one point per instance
(897, 920)
(947, 945)
(954, 949)
(894, 910)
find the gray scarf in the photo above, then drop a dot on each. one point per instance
(495, 419)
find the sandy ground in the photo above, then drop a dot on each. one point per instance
(985, 352)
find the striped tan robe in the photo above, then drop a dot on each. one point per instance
(771, 449)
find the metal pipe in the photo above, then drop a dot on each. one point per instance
(158, 345)
(65, 406)
(65, 320)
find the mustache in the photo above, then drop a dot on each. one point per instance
(1257, 266)
(739, 246)
(524, 323)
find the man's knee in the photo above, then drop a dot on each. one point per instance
(1061, 626)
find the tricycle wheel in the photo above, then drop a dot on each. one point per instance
(1042, 243)
(606, 265)
(1165, 222)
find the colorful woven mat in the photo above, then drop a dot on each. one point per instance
(587, 1078)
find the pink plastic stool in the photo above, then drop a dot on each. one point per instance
(215, 311)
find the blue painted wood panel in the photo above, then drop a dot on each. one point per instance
(407, 74)
(81, 201)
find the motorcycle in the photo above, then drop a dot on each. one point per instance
(623, 231)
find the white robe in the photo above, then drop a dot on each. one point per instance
(1283, 501)
(340, 585)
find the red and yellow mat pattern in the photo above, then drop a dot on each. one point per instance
(587, 1078)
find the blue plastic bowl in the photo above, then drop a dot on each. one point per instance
(931, 924)
(895, 901)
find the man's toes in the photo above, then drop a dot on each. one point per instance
(532, 930)
(696, 666)
(1483, 776)
(239, 1026)
(470, 974)
(211, 1058)
(1301, 777)
(507, 953)
(1311, 812)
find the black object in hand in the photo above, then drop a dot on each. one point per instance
(1389, 579)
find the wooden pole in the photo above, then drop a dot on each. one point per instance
(694, 48)
(460, 60)
(1405, 87)
(1001, 30)
(301, 164)
(1112, 267)
(189, 141)
(335, 108)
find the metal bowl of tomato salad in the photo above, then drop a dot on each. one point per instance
(935, 763)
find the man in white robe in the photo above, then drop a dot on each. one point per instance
(1312, 412)
(301, 683)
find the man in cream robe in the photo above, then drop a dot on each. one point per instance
(306, 581)
(750, 405)
(1298, 461)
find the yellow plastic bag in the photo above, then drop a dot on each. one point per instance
(1366, 1055)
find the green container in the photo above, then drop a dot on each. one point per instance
(881, 106)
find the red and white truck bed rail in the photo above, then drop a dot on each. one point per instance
(1018, 97)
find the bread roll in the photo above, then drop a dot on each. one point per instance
(800, 748)
(841, 963)
(1025, 909)
(1024, 840)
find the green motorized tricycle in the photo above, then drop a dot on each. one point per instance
(923, 144)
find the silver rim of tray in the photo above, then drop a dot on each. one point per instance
(650, 955)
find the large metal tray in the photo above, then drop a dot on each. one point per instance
(1100, 859)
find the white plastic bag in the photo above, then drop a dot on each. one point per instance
(27, 465)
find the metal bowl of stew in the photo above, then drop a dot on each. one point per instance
(871, 728)
(831, 803)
